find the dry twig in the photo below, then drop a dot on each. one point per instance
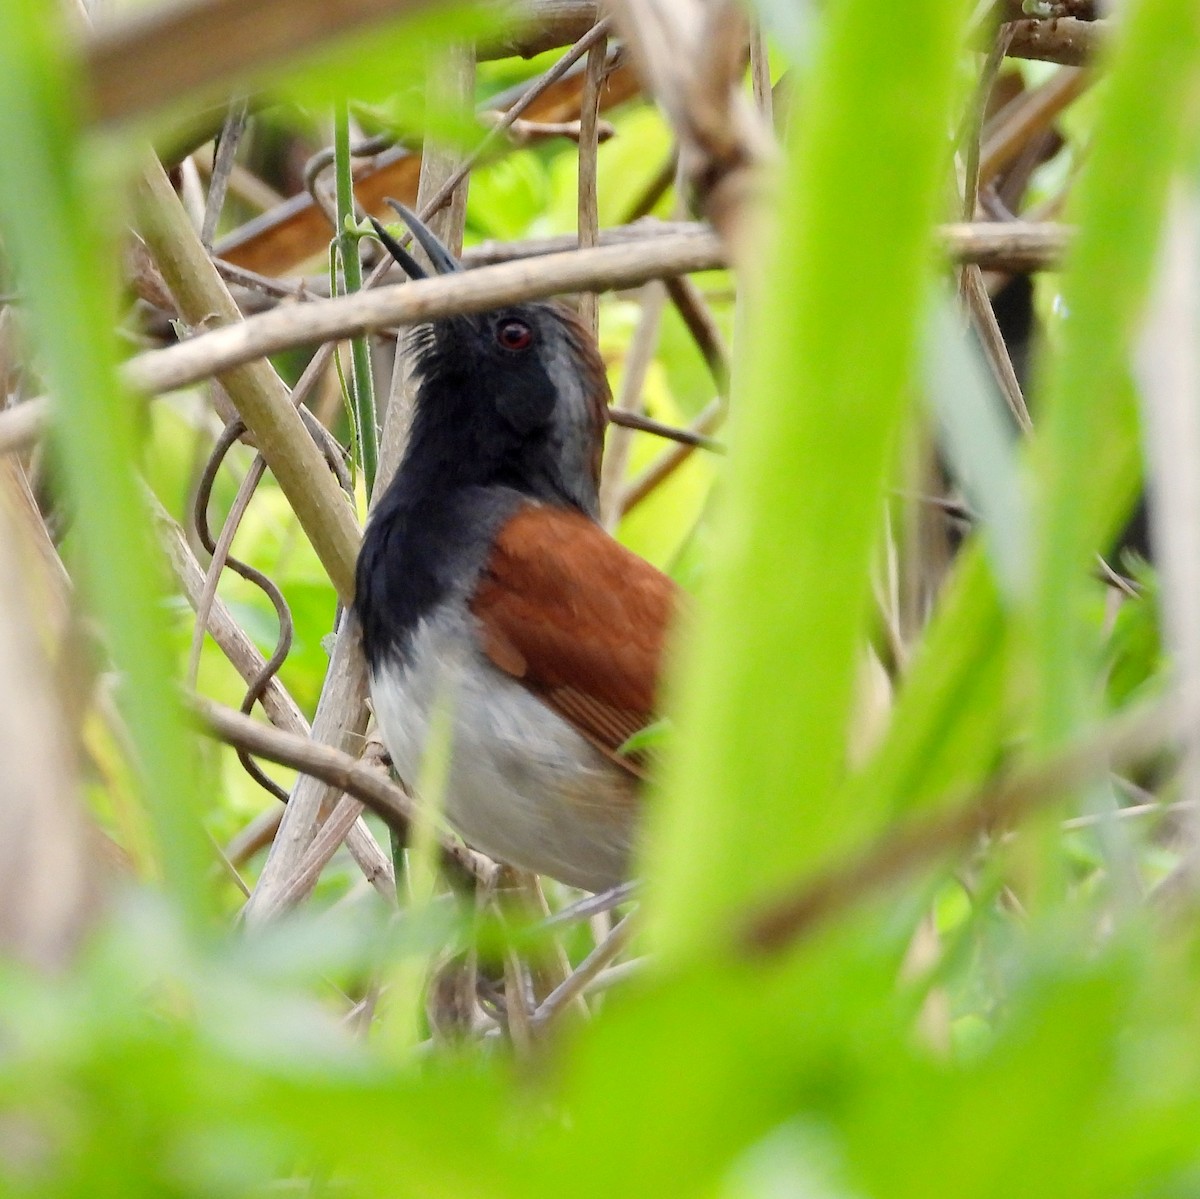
(1008, 246)
(349, 774)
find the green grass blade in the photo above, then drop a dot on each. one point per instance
(61, 256)
(947, 725)
(367, 434)
(979, 440)
(1087, 435)
(765, 699)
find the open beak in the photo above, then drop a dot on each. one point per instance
(443, 261)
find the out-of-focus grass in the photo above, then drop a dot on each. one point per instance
(63, 255)
(828, 367)
(1050, 1052)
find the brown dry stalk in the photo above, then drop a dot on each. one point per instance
(599, 269)
(257, 392)
(691, 57)
(1067, 40)
(588, 202)
(1008, 246)
(1008, 133)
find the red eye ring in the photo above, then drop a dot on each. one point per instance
(513, 334)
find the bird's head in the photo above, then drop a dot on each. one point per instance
(516, 395)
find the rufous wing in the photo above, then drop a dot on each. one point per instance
(579, 620)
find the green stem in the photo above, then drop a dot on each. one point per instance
(360, 354)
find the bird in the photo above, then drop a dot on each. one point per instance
(486, 583)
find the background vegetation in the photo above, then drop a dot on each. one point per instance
(918, 910)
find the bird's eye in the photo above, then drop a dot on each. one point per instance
(514, 335)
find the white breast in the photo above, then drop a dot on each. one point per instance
(523, 785)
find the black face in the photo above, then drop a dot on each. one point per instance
(493, 375)
(492, 372)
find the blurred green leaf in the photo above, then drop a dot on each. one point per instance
(507, 196)
(653, 736)
(979, 437)
(1086, 452)
(946, 730)
(827, 371)
(61, 248)
(946, 1037)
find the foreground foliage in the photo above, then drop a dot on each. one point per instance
(901, 977)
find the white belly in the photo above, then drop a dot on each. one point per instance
(523, 786)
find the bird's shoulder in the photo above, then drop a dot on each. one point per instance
(579, 619)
